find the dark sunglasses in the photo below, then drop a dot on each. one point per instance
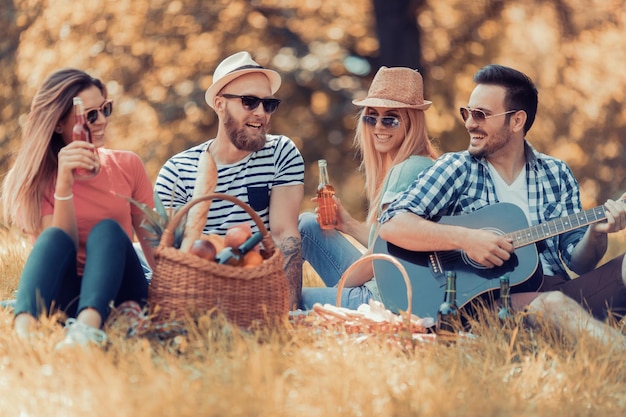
(106, 109)
(479, 115)
(251, 102)
(387, 121)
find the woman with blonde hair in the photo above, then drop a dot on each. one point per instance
(392, 137)
(83, 258)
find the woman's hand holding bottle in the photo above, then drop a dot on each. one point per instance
(345, 222)
(75, 155)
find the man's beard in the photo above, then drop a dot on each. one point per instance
(499, 140)
(240, 138)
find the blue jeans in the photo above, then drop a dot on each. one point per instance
(112, 273)
(330, 254)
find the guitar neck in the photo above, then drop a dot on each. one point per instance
(557, 226)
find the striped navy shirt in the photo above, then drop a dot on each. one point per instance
(251, 180)
(458, 183)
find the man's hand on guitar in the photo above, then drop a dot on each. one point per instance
(615, 217)
(487, 248)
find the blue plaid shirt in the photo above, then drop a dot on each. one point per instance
(459, 183)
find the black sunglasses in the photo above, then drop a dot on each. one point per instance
(106, 108)
(479, 115)
(387, 121)
(251, 102)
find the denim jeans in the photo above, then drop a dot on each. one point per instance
(330, 254)
(112, 273)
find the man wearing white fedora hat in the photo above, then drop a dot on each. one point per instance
(263, 170)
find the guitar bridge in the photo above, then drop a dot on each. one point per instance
(435, 265)
(437, 268)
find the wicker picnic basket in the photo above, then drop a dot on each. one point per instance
(356, 322)
(404, 330)
(185, 285)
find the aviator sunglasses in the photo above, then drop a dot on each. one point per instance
(387, 121)
(479, 115)
(251, 102)
(106, 108)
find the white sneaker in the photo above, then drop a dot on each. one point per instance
(80, 334)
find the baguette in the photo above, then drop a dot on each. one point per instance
(197, 215)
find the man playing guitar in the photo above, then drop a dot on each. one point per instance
(500, 166)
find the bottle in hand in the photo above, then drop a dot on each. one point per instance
(81, 131)
(326, 207)
(235, 256)
(448, 319)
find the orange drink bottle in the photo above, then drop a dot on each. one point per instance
(326, 207)
(80, 131)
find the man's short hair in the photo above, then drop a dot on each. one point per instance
(521, 93)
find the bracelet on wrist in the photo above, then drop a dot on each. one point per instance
(67, 197)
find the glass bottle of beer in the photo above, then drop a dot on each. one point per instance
(505, 312)
(326, 208)
(80, 131)
(448, 319)
(234, 256)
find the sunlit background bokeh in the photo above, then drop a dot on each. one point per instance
(157, 58)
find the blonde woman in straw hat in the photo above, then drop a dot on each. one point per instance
(392, 137)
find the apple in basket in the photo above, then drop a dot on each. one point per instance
(237, 235)
(204, 249)
(252, 258)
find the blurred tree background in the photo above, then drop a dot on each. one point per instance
(157, 58)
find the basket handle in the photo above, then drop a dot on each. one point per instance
(385, 257)
(167, 238)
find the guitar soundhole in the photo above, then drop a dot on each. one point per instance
(469, 261)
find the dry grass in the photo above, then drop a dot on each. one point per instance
(219, 371)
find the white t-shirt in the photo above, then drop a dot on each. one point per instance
(516, 193)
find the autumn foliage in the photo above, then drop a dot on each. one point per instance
(157, 58)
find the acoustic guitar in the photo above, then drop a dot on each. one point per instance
(427, 269)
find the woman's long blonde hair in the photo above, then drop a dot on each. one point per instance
(376, 167)
(35, 167)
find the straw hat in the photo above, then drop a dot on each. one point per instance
(235, 66)
(398, 87)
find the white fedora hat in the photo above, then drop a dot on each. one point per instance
(235, 66)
